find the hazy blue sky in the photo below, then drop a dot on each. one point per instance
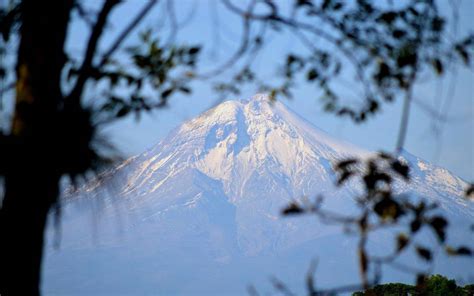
(453, 149)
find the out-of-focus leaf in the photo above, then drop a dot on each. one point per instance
(185, 89)
(415, 225)
(194, 50)
(461, 251)
(300, 3)
(470, 191)
(388, 209)
(292, 209)
(402, 241)
(424, 253)
(123, 111)
(439, 225)
(398, 33)
(344, 177)
(341, 165)
(388, 17)
(165, 94)
(312, 74)
(401, 169)
(463, 53)
(438, 66)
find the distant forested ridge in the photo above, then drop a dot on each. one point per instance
(435, 285)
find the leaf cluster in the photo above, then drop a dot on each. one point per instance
(386, 47)
(154, 73)
(380, 207)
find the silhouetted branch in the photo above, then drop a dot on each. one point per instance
(281, 287)
(7, 88)
(239, 52)
(138, 18)
(84, 14)
(91, 49)
(297, 27)
(173, 20)
(402, 133)
(379, 207)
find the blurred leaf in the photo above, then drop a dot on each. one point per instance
(401, 168)
(461, 251)
(194, 50)
(437, 24)
(398, 33)
(372, 179)
(341, 165)
(292, 209)
(184, 89)
(438, 66)
(326, 4)
(299, 3)
(415, 225)
(407, 56)
(402, 241)
(344, 177)
(383, 72)
(463, 53)
(388, 209)
(384, 155)
(439, 225)
(373, 106)
(312, 74)
(464, 251)
(470, 191)
(165, 94)
(123, 111)
(387, 17)
(424, 253)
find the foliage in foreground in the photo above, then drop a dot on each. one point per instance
(433, 285)
(381, 208)
(61, 101)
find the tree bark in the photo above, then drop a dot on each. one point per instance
(23, 217)
(32, 172)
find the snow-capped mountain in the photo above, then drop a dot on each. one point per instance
(204, 204)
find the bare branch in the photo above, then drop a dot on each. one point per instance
(173, 20)
(405, 115)
(281, 287)
(86, 67)
(138, 18)
(297, 27)
(240, 51)
(84, 14)
(7, 88)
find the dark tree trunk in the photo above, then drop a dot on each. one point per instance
(27, 200)
(33, 169)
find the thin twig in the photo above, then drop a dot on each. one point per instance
(7, 88)
(298, 25)
(405, 114)
(138, 18)
(92, 44)
(173, 22)
(84, 14)
(240, 51)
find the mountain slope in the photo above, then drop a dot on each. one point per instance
(210, 195)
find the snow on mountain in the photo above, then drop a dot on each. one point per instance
(213, 190)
